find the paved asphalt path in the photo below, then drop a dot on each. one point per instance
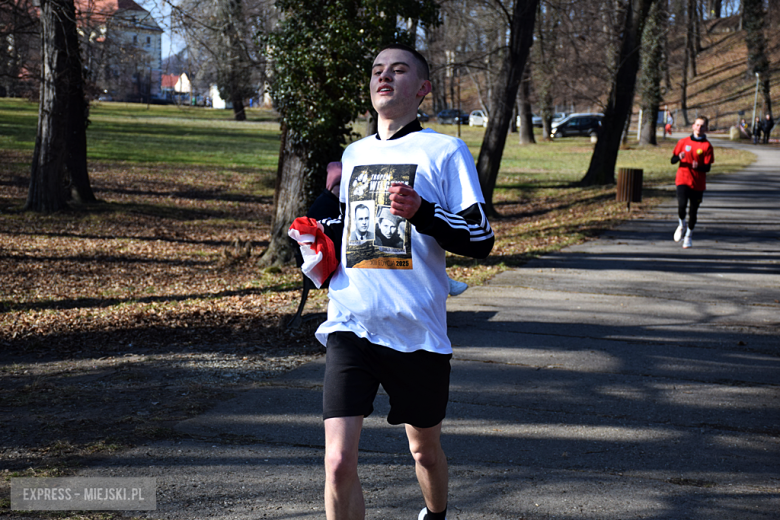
(621, 378)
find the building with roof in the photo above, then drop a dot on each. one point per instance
(123, 51)
(176, 87)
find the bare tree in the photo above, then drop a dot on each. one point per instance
(221, 46)
(653, 39)
(59, 158)
(546, 57)
(465, 46)
(521, 26)
(692, 45)
(526, 116)
(234, 75)
(758, 61)
(621, 97)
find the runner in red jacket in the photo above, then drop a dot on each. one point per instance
(694, 153)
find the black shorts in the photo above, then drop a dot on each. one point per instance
(686, 193)
(418, 383)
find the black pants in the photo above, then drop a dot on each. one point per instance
(685, 194)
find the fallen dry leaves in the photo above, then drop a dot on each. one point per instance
(147, 264)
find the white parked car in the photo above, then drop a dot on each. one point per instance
(478, 118)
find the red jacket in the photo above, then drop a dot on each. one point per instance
(699, 150)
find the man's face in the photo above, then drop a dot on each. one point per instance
(387, 227)
(699, 127)
(396, 88)
(362, 220)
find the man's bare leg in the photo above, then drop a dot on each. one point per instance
(430, 464)
(343, 494)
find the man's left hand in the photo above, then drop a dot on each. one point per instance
(404, 201)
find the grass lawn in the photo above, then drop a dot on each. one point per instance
(196, 172)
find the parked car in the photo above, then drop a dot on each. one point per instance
(577, 124)
(478, 118)
(537, 120)
(422, 116)
(451, 117)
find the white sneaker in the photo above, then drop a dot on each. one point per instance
(422, 514)
(681, 230)
(457, 287)
(687, 242)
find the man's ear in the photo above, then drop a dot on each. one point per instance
(425, 89)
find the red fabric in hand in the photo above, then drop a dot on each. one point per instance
(319, 253)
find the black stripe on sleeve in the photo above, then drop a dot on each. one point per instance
(466, 233)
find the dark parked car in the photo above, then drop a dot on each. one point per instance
(451, 116)
(537, 120)
(578, 124)
(422, 116)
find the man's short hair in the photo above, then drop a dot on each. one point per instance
(362, 206)
(422, 64)
(705, 119)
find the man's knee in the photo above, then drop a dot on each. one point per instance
(426, 454)
(340, 466)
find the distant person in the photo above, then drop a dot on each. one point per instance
(695, 155)
(767, 127)
(757, 126)
(669, 124)
(744, 132)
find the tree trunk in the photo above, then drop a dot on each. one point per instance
(239, 114)
(647, 134)
(684, 99)
(290, 202)
(650, 79)
(78, 120)
(690, 38)
(503, 99)
(234, 67)
(755, 40)
(526, 116)
(765, 93)
(602, 163)
(545, 73)
(60, 143)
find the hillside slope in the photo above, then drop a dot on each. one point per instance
(722, 87)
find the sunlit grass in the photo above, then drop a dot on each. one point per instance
(159, 134)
